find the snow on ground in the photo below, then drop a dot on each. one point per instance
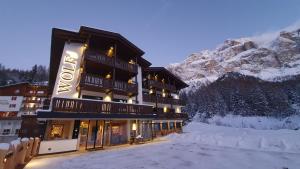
(201, 146)
(255, 122)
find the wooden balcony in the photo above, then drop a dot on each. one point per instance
(163, 100)
(123, 87)
(32, 101)
(126, 66)
(95, 106)
(172, 115)
(97, 83)
(109, 61)
(159, 85)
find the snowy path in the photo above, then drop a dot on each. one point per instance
(222, 148)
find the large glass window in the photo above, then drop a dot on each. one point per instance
(172, 126)
(164, 126)
(157, 126)
(56, 131)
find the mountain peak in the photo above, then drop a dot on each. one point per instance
(270, 57)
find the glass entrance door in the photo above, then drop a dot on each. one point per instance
(91, 134)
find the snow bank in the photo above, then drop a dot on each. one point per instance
(267, 140)
(256, 122)
(4, 146)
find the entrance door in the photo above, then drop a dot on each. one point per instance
(91, 134)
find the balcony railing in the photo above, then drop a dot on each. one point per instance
(96, 82)
(32, 101)
(126, 87)
(163, 100)
(92, 56)
(93, 106)
(172, 116)
(159, 85)
(161, 111)
(100, 58)
(126, 66)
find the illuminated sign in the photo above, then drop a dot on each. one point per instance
(68, 73)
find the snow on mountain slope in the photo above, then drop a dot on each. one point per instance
(274, 58)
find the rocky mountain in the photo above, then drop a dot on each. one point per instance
(274, 59)
(245, 76)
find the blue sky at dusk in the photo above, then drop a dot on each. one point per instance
(168, 31)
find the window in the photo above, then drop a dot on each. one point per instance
(56, 131)
(12, 105)
(40, 92)
(14, 98)
(31, 91)
(17, 91)
(6, 132)
(17, 131)
(92, 97)
(120, 100)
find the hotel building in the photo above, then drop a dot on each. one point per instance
(103, 93)
(19, 101)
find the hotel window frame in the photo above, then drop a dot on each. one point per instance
(12, 105)
(6, 132)
(60, 134)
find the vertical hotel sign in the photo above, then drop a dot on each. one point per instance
(68, 73)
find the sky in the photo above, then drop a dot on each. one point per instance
(168, 31)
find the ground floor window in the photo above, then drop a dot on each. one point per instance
(164, 126)
(178, 125)
(56, 131)
(172, 126)
(59, 129)
(119, 132)
(156, 126)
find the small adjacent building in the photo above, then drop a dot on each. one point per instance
(17, 101)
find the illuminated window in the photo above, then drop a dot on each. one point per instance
(17, 91)
(57, 131)
(40, 92)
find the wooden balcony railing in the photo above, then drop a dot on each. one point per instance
(161, 111)
(159, 85)
(95, 106)
(126, 87)
(100, 58)
(96, 82)
(92, 56)
(92, 82)
(126, 66)
(32, 101)
(173, 116)
(163, 100)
